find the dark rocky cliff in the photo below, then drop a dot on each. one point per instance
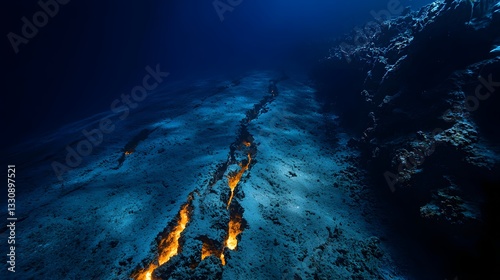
(421, 93)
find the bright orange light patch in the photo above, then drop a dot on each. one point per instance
(168, 246)
(145, 274)
(235, 179)
(233, 232)
(128, 152)
(207, 250)
(222, 258)
(246, 143)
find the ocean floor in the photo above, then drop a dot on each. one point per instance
(218, 179)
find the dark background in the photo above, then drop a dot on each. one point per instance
(91, 52)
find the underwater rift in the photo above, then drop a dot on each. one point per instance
(288, 140)
(167, 247)
(169, 244)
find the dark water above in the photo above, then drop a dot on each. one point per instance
(91, 51)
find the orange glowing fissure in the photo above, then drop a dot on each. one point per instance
(168, 246)
(207, 250)
(231, 241)
(235, 179)
(234, 228)
(233, 232)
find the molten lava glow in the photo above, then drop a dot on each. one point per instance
(146, 273)
(168, 246)
(222, 258)
(207, 250)
(234, 231)
(235, 179)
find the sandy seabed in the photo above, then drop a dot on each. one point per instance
(295, 211)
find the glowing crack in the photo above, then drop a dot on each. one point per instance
(209, 250)
(233, 231)
(235, 179)
(168, 247)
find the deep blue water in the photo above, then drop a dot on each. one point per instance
(90, 51)
(70, 70)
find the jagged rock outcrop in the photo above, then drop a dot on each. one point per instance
(421, 93)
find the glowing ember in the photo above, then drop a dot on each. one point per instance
(145, 274)
(233, 232)
(168, 246)
(222, 258)
(235, 179)
(207, 250)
